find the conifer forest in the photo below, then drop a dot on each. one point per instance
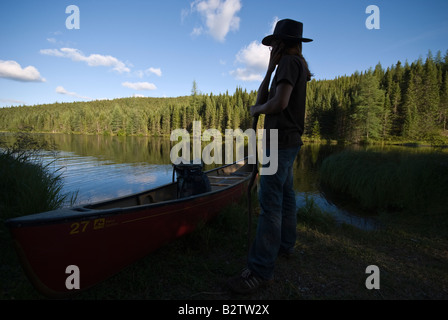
(406, 101)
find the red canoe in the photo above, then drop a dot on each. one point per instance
(103, 238)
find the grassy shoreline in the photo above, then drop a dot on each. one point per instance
(330, 264)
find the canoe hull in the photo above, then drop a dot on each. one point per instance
(103, 242)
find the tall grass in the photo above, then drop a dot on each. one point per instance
(312, 216)
(27, 185)
(414, 182)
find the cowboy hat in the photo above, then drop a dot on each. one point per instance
(286, 29)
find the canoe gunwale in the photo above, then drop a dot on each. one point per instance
(79, 213)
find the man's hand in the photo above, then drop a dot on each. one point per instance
(260, 107)
(253, 111)
(276, 55)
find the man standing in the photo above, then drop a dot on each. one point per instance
(284, 107)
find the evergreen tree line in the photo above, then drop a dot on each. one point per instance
(407, 101)
(133, 116)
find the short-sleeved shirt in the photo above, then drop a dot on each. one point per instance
(290, 122)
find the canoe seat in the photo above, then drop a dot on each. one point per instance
(221, 181)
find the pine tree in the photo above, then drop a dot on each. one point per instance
(385, 118)
(194, 89)
(443, 106)
(430, 97)
(315, 131)
(209, 114)
(117, 119)
(184, 117)
(165, 122)
(411, 116)
(368, 107)
(175, 118)
(394, 111)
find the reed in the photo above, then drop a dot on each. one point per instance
(27, 185)
(313, 217)
(411, 182)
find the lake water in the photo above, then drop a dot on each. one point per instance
(104, 167)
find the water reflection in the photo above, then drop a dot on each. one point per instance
(104, 167)
(306, 182)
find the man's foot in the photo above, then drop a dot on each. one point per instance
(246, 282)
(286, 254)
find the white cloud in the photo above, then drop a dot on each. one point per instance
(93, 60)
(61, 90)
(246, 75)
(255, 55)
(197, 31)
(12, 70)
(52, 52)
(148, 72)
(11, 101)
(155, 71)
(139, 85)
(220, 16)
(255, 60)
(273, 23)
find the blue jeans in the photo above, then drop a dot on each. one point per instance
(277, 223)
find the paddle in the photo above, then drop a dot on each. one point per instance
(251, 184)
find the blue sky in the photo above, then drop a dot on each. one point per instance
(158, 48)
